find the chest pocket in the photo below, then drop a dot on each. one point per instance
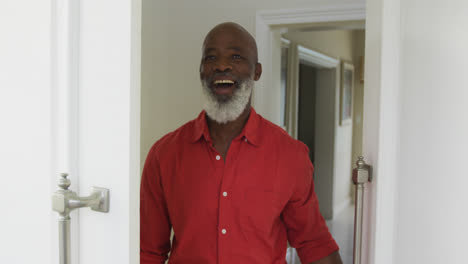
(261, 210)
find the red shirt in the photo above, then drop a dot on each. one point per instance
(242, 210)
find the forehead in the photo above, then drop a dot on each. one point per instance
(229, 39)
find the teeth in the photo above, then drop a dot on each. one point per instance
(223, 81)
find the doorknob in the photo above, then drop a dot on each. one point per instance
(361, 174)
(64, 201)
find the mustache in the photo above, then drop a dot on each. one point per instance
(221, 74)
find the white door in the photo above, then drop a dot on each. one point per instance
(69, 103)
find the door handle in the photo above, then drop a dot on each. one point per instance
(361, 174)
(64, 201)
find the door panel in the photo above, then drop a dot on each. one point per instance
(108, 128)
(25, 133)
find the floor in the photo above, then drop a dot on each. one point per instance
(342, 229)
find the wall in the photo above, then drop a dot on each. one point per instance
(432, 174)
(171, 92)
(324, 145)
(346, 45)
(334, 43)
(156, 112)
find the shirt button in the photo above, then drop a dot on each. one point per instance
(245, 139)
(224, 194)
(218, 157)
(223, 231)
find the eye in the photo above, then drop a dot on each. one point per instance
(236, 56)
(209, 58)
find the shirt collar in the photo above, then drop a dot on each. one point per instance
(201, 128)
(251, 130)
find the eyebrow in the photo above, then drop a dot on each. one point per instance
(235, 48)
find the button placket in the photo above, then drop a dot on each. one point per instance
(222, 218)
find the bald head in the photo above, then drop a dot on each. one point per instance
(235, 31)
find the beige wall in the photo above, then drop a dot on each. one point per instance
(155, 106)
(334, 43)
(172, 34)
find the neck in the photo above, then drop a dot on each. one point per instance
(224, 133)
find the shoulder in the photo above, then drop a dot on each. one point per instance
(290, 156)
(277, 136)
(172, 140)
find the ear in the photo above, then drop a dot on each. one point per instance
(258, 71)
(200, 69)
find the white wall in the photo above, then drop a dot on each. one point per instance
(180, 44)
(432, 179)
(416, 134)
(26, 232)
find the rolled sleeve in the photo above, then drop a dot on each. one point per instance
(306, 228)
(155, 226)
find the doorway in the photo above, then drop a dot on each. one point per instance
(279, 14)
(313, 105)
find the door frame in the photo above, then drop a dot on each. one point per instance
(381, 101)
(312, 58)
(326, 146)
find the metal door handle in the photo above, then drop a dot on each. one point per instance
(64, 201)
(361, 174)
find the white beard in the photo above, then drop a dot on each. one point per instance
(229, 110)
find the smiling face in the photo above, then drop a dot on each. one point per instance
(228, 69)
(229, 58)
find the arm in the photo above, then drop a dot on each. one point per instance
(333, 258)
(306, 228)
(155, 226)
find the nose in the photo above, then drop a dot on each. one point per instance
(223, 66)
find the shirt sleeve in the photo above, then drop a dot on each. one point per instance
(155, 226)
(306, 228)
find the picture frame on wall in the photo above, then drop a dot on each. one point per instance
(346, 93)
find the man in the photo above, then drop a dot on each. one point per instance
(233, 186)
